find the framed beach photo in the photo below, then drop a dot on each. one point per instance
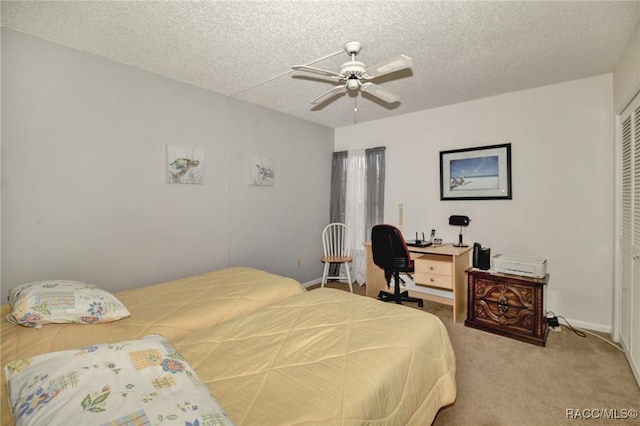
(481, 173)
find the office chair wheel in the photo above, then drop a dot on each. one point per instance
(420, 304)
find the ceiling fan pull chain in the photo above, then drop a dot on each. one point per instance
(355, 109)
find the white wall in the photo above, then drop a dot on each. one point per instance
(274, 226)
(626, 77)
(83, 179)
(562, 168)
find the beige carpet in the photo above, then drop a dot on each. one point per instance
(505, 382)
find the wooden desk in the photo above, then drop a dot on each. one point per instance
(440, 267)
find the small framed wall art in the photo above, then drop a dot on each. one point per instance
(185, 165)
(261, 171)
(480, 173)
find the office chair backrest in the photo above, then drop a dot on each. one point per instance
(389, 249)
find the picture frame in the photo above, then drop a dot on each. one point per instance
(184, 165)
(262, 171)
(479, 173)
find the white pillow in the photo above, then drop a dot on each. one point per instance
(144, 381)
(44, 302)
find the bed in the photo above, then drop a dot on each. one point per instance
(272, 353)
(327, 357)
(173, 309)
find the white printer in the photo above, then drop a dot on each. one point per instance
(520, 265)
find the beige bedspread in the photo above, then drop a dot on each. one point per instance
(173, 309)
(327, 357)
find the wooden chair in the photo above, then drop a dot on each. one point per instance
(336, 241)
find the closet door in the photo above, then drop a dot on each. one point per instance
(630, 234)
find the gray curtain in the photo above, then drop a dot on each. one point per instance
(338, 195)
(338, 187)
(374, 191)
(374, 201)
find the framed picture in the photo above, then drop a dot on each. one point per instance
(185, 165)
(262, 171)
(481, 173)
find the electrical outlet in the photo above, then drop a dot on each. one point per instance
(299, 262)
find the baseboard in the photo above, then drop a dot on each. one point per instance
(312, 282)
(589, 326)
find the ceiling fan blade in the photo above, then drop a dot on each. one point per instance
(394, 64)
(329, 94)
(316, 70)
(380, 92)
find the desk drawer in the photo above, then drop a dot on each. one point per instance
(433, 264)
(434, 280)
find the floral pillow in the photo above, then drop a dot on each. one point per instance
(44, 302)
(136, 382)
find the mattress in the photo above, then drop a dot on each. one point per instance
(327, 357)
(173, 309)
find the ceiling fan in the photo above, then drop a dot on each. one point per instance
(355, 75)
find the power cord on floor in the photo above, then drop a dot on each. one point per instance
(579, 331)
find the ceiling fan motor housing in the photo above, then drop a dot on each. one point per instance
(353, 69)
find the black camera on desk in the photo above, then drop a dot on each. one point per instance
(481, 257)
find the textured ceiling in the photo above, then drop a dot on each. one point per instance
(461, 50)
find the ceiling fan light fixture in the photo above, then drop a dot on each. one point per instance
(353, 84)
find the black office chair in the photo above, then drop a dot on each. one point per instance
(391, 254)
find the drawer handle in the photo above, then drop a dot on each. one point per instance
(503, 307)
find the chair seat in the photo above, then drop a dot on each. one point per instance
(336, 259)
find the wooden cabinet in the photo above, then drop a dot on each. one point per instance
(508, 305)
